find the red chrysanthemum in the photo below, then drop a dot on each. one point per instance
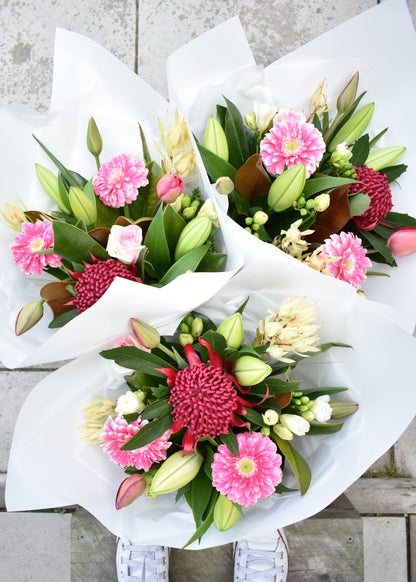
(204, 397)
(375, 185)
(96, 279)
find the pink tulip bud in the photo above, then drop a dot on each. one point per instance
(169, 188)
(402, 242)
(129, 490)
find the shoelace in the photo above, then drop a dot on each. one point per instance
(256, 557)
(142, 563)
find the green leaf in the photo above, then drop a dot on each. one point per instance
(358, 203)
(138, 379)
(314, 393)
(149, 432)
(137, 359)
(155, 240)
(283, 489)
(360, 150)
(189, 262)
(72, 178)
(63, 318)
(209, 459)
(324, 428)
(242, 204)
(380, 246)
(327, 346)
(315, 185)
(317, 123)
(160, 391)
(254, 417)
(207, 521)
(212, 262)
(236, 136)
(394, 172)
(174, 225)
(156, 409)
(147, 198)
(279, 386)
(215, 166)
(146, 155)
(399, 220)
(242, 306)
(217, 342)
(201, 491)
(74, 244)
(298, 464)
(377, 137)
(230, 441)
(221, 112)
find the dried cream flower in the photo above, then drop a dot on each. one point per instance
(95, 416)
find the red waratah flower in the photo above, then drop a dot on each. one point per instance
(96, 278)
(204, 397)
(376, 186)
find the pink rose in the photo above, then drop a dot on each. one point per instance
(125, 243)
(169, 188)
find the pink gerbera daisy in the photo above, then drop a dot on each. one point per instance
(252, 474)
(345, 258)
(116, 432)
(289, 143)
(33, 238)
(117, 180)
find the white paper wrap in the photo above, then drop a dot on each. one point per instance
(49, 466)
(379, 43)
(87, 81)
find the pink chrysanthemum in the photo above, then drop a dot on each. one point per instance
(376, 186)
(345, 258)
(116, 432)
(252, 474)
(34, 237)
(117, 180)
(289, 143)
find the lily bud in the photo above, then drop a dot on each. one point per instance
(28, 316)
(94, 140)
(226, 513)
(250, 371)
(232, 330)
(49, 183)
(197, 327)
(295, 424)
(402, 242)
(129, 490)
(347, 96)
(283, 432)
(193, 235)
(145, 334)
(384, 157)
(260, 217)
(353, 128)
(82, 207)
(224, 185)
(215, 139)
(287, 188)
(321, 202)
(174, 473)
(341, 409)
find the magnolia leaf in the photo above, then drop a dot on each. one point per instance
(100, 235)
(283, 400)
(74, 244)
(149, 432)
(106, 215)
(333, 219)
(57, 296)
(298, 464)
(252, 179)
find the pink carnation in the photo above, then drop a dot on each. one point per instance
(292, 142)
(345, 258)
(117, 180)
(118, 431)
(252, 474)
(34, 237)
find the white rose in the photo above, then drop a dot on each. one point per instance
(129, 403)
(321, 408)
(295, 423)
(125, 242)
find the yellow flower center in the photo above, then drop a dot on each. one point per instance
(292, 146)
(36, 244)
(246, 466)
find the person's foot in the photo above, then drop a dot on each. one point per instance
(136, 563)
(261, 560)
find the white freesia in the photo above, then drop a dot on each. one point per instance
(321, 408)
(208, 209)
(125, 242)
(295, 424)
(129, 403)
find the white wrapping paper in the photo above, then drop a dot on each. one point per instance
(49, 466)
(88, 81)
(380, 43)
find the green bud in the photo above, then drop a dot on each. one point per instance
(310, 204)
(28, 316)
(50, 184)
(321, 202)
(82, 206)
(94, 141)
(175, 472)
(189, 212)
(308, 415)
(196, 203)
(297, 401)
(251, 121)
(303, 408)
(197, 327)
(186, 338)
(283, 432)
(260, 217)
(226, 513)
(287, 188)
(384, 157)
(250, 371)
(249, 221)
(353, 128)
(232, 330)
(341, 409)
(304, 399)
(184, 328)
(303, 212)
(145, 334)
(186, 201)
(347, 96)
(215, 139)
(265, 431)
(193, 235)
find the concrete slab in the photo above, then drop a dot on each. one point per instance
(412, 547)
(34, 547)
(383, 496)
(385, 554)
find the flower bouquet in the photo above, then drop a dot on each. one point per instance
(129, 226)
(307, 168)
(178, 416)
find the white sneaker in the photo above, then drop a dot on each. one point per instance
(261, 560)
(141, 563)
